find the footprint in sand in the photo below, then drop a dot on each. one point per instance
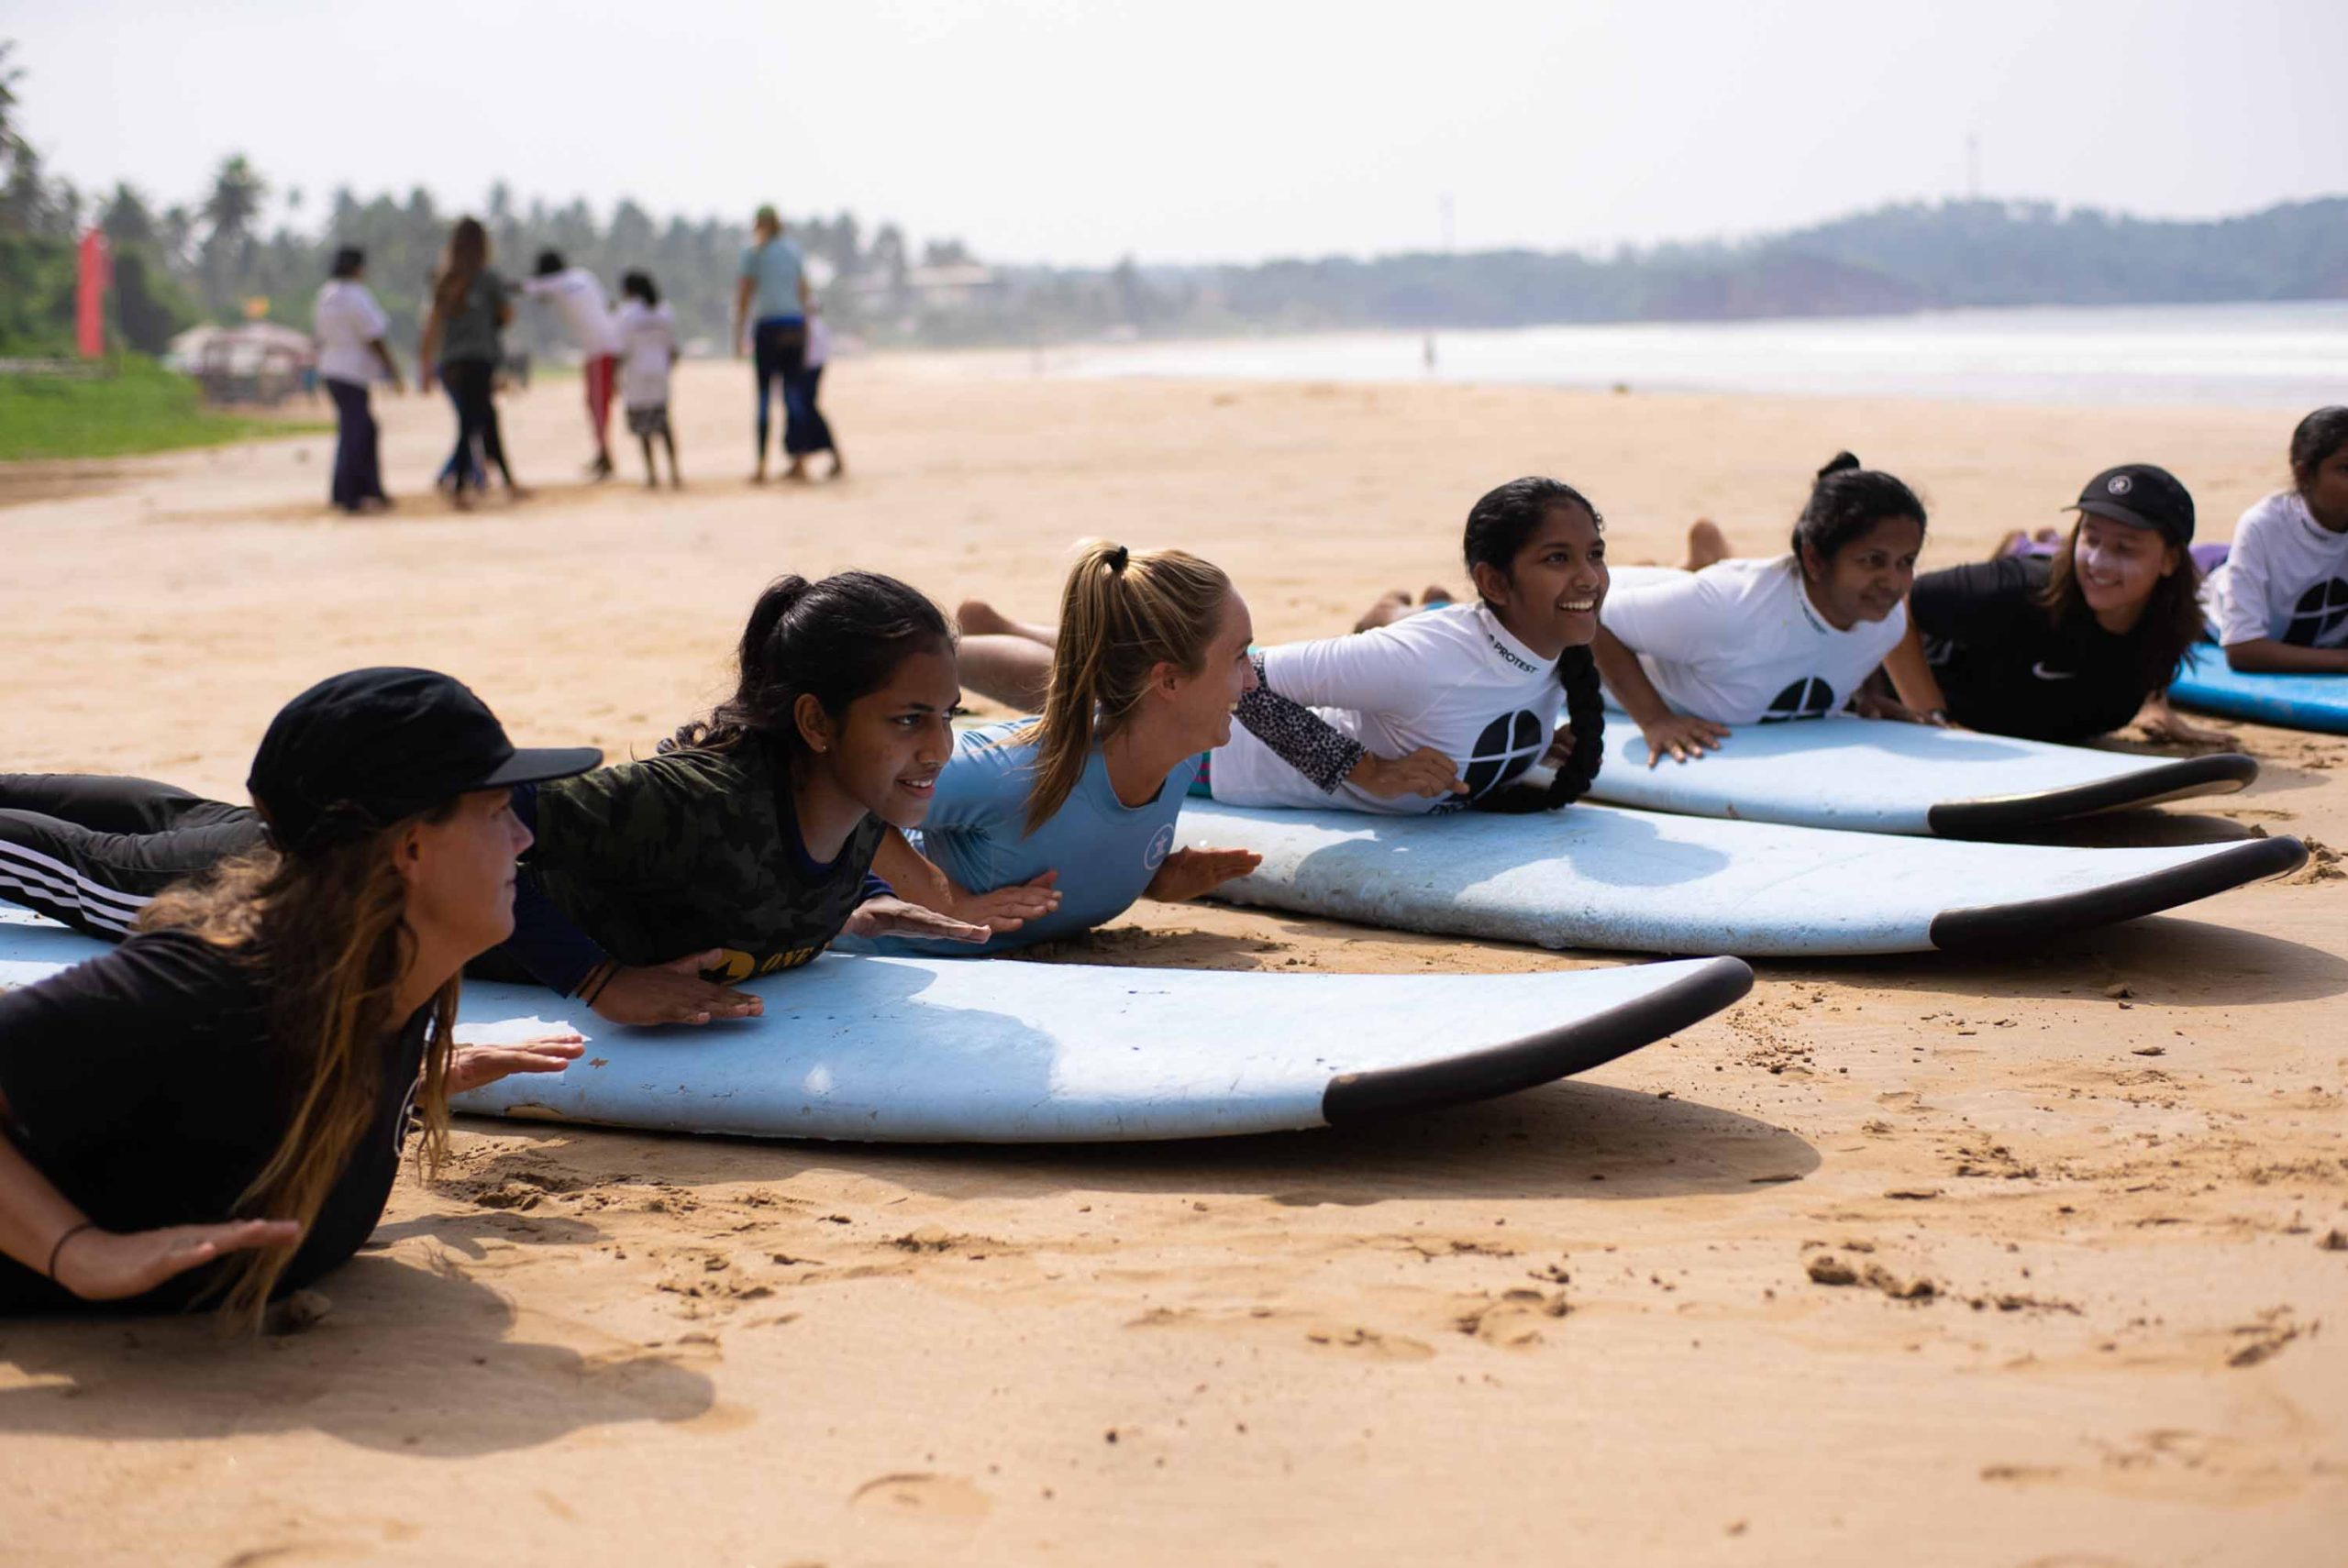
(922, 1496)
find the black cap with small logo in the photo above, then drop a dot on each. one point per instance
(360, 751)
(2144, 497)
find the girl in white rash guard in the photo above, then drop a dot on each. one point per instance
(2279, 602)
(1481, 684)
(1743, 641)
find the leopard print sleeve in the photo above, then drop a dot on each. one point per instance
(1297, 735)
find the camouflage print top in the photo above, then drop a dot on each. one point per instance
(693, 850)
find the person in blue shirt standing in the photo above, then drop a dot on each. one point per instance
(771, 298)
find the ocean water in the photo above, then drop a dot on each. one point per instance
(2281, 355)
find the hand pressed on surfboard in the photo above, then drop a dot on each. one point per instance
(110, 1266)
(1681, 737)
(1008, 909)
(1425, 771)
(674, 992)
(895, 917)
(1186, 872)
(477, 1066)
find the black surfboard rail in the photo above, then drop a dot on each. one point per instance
(1537, 1059)
(1992, 815)
(2251, 860)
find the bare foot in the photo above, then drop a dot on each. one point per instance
(979, 619)
(839, 469)
(1392, 605)
(1706, 545)
(758, 475)
(1435, 593)
(796, 473)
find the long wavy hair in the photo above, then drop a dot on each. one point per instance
(466, 258)
(1498, 526)
(2165, 633)
(1122, 615)
(327, 929)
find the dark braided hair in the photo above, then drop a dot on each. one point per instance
(1847, 502)
(1499, 524)
(835, 640)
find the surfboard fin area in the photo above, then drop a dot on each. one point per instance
(1608, 878)
(1882, 776)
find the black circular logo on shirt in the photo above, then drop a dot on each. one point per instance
(2318, 613)
(1510, 744)
(1808, 699)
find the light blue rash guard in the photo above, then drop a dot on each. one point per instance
(1104, 850)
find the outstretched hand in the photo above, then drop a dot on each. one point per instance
(892, 916)
(674, 992)
(1008, 909)
(1681, 737)
(1186, 872)
(2159, 722)
(477, 1066)
(1425, 771)
(109, 1266)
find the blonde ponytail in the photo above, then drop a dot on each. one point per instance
(1121, 615)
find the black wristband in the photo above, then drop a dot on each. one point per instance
(51, 1269)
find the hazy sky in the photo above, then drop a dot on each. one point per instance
(1078, 132)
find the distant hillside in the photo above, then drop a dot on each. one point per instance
(1891, 260)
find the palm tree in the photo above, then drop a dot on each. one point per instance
(229, 212)
(12, 141)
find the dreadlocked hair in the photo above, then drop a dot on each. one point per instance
(326, 928)
(1498, 526)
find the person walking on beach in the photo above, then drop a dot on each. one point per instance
(349, 326)
(470, 306)
(648, 336)
(805, 431)
(578, 298)
(770, 299)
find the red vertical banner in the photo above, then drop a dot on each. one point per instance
(90, 302)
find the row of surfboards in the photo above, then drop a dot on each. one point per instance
(1836, 837)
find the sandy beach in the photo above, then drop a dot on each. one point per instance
(2091, 1199)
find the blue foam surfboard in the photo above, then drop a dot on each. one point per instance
(989, 1050)
(1879, 776)
(2316, 703)
(1603, 876)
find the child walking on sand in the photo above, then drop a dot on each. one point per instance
(647, 335)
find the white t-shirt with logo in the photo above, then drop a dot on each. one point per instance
(1739, 643)
(2285, 576)
(647, 338)
(1452, 678)
(346, 320)
(578, 298)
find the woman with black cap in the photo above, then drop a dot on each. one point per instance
(2077, 642)
(214, 1110)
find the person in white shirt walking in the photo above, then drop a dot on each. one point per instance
(578, 298)
(647, 338)
(350, 327)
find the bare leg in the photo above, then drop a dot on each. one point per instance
(1391, 606)
(651, 468)
(979, 619)
(676, 474)
(1011, 670)
(1706, 545)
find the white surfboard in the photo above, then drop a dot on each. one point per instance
(1879, 775)
(997, 1050)
(1603, 876)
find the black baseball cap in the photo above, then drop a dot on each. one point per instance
(360, 751)
(2144, 497)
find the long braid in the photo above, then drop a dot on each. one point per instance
(1586, 720)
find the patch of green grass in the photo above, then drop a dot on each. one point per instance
(138, 406)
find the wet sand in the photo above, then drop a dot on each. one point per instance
(2034, 1258)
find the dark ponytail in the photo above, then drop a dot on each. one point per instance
(835, 640)
(1846, 501)
(1499, 524)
